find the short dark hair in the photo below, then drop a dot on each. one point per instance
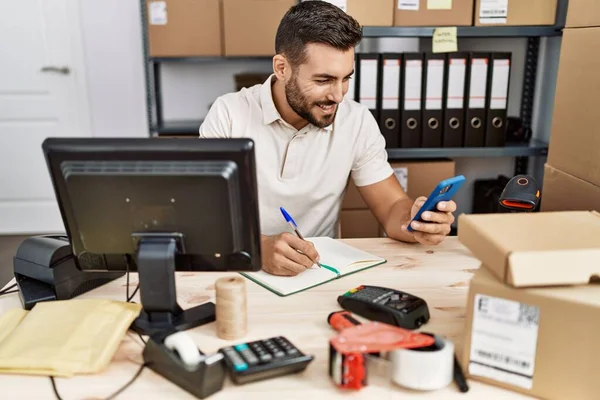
(315, 21)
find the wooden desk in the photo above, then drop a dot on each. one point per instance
(439, 274)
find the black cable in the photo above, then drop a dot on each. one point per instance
(137, 374)
(115, 394)
(7, 290)
(128, 298)
(127, 277)
(54, 388)
(141, 337)
(134, 292)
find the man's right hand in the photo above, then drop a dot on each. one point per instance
(286, 254)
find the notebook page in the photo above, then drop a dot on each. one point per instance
(290, 284)
(341, 256)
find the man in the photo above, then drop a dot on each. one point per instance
(309, 140)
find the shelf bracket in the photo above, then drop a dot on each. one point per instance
(527, 96)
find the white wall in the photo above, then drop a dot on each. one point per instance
(112, 39)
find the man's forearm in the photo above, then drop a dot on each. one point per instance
(399, 215)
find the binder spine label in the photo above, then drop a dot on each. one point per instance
(500, 84)
(456, 83)
(391, 84)
(368, 83)
(435, 84)
(412, 84)
(478, 83)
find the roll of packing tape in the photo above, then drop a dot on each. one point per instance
(230, 307)
(427, 368)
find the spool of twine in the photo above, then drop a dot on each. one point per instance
(231, 307)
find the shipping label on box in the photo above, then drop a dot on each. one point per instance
(493, 11)
(504, 340)
(409, 5)
(343, 4)
(157, 12)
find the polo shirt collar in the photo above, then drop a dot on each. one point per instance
(269, 111)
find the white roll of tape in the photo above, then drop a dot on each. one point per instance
(428, 368)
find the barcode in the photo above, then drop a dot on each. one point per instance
(529, 315)
(503, 359)
(493, 12)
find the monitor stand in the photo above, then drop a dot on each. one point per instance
(160, 311)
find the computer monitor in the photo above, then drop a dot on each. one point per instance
(168, 204)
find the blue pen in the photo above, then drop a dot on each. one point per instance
(290, 220)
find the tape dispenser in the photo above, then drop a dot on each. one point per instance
(350, 349)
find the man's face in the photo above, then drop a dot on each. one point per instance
(317, 86)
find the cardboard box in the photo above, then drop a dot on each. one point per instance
(575, 136)
(518, 12)
(535, 249)
(583, 13)
(372, 12)
(250, 26)
(460, 13)
(540, 342)
(359, 224)
(184, 28)
(417, 178)
(564, 192)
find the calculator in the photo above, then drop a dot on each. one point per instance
(264, 359)
(386, 305)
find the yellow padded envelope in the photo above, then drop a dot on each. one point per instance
(64, 338)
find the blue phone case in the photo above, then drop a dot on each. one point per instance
(444, 191)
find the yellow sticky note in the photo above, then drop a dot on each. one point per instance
(445, 40)
(439, 4)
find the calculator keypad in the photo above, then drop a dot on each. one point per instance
(275, 355)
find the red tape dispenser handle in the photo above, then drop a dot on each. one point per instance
(340, 320)
(348, 350)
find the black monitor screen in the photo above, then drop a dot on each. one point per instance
(113, 193)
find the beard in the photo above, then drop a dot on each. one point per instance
(302, 106)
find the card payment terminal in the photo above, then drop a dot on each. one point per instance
(386, 305)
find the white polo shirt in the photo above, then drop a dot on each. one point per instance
(305, 171)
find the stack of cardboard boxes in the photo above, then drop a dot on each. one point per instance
(192, 28)
(417, 178)
(533, 310)
(572, 173)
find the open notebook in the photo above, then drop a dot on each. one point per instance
(341, 259)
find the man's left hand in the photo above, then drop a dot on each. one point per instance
(436, 224)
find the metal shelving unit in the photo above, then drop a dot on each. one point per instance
(521, 152)
(463, 31)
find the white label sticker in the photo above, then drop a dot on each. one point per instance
(412, 85)
(435, 84)
(504, 340)
(391, 85)
(500, 85)
(343, 4)
(456, 82)
(157, 11)
(408, 5)
(368, 83)
(493, 11)
(402, 176)
(478, 87)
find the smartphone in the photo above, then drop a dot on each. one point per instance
(444, 191)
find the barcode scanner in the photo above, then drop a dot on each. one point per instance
(521, 194)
